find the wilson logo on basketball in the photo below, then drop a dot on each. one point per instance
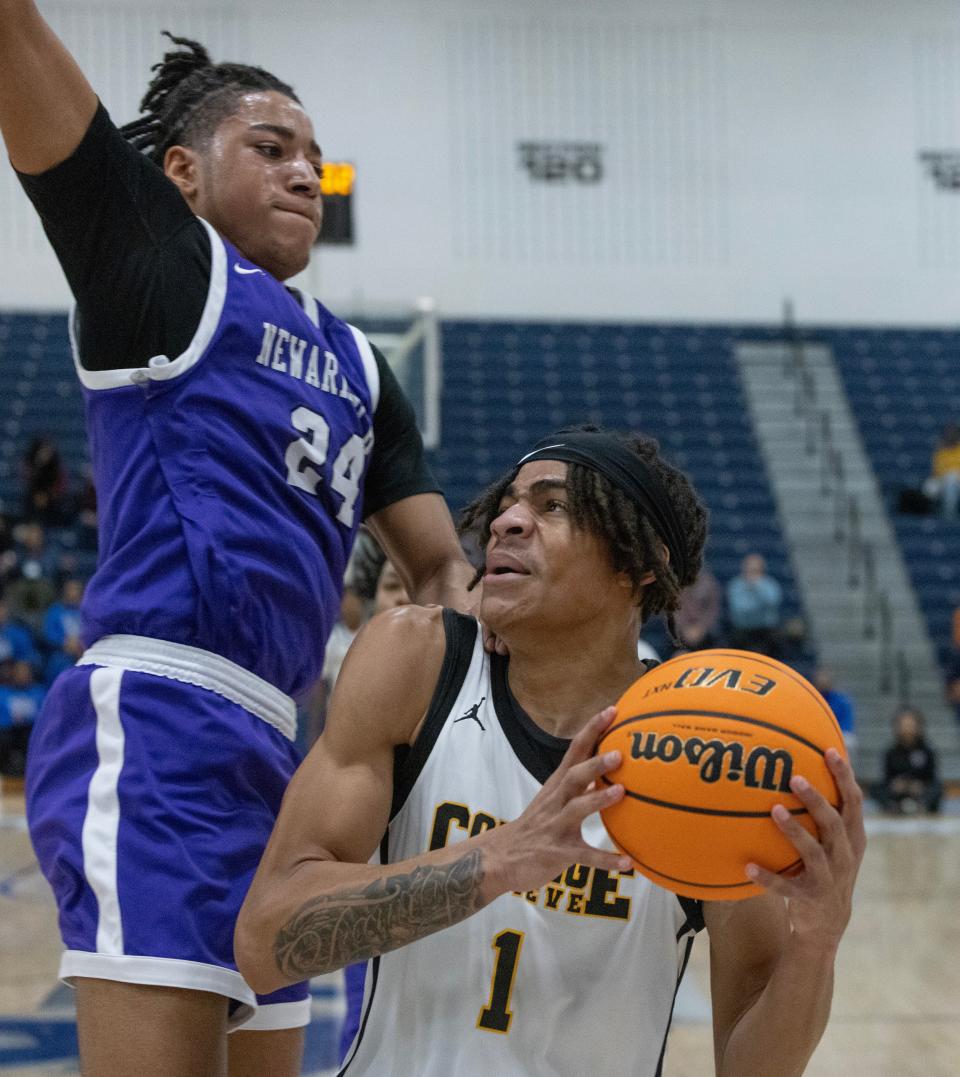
(763, 768)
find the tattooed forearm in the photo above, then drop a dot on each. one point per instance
(337, 929)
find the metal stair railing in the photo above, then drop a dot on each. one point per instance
(861, 558)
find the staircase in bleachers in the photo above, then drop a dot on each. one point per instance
(904, 387)
(507, 384)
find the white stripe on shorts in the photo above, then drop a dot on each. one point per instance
(102, 821)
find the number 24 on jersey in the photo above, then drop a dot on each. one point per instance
(305, 455)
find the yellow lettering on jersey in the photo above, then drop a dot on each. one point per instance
(553, 896)
(497, 1016)
(604, 899)
(577, 876)
(580, 890)
(481, 822)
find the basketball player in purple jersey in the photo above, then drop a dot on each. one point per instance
(239, 434)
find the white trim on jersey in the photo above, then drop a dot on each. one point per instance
(161, 367)
(204, 669)
(370, 367)
(102, 821)
(310, 308)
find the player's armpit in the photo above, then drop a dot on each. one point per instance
(46, 103)
(418, 536)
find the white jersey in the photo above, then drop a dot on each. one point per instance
(558, 981)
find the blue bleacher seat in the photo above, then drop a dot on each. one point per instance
(676, 383)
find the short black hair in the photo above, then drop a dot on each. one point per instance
(601, 508)
(189, 96)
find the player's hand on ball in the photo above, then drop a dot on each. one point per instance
(546, 839)
(820, 895)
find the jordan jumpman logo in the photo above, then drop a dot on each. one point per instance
(473, 713)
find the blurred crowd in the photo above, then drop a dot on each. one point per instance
(47, 552)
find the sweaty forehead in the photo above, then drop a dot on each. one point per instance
(273, 107)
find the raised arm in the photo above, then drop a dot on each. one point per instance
(46, 103)
(418, 537)
(771, 964)
(316, 905)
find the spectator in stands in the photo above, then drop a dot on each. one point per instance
(45, 498)
(953, 684)
(365, 565)
(953, 667)
(910, 783)
(700, 607)
(753, 607)
(840, 703)
(61, 630)
(8, 557)
(390, 591)
(943, 485)
(20, 701)
(352, 615)
(953, 681)
(36, 575)
(85, 509)
(16, 643)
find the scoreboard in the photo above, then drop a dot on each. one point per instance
(336, 189)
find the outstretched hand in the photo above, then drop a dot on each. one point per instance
(820, 896)
(546, 839)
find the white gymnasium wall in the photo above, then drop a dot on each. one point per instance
(754, 149)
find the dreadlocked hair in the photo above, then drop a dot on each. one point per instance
(189, 96)
(596, 505)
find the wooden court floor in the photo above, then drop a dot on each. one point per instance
(896, 1010)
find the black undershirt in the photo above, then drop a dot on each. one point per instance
(138, 263)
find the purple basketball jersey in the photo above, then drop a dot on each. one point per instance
(229, 478)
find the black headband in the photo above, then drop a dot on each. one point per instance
(628, 472)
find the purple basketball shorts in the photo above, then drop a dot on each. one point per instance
(150, 801)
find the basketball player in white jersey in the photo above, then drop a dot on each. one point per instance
(445, 825)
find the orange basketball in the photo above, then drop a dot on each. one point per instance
(709, 742)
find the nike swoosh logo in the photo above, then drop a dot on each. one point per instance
(237, 268)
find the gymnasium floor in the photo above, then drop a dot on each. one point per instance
(896, 1009)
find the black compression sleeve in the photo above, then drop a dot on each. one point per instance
(398, 468)
(136, 258)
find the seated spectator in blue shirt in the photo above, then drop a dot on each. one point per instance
(16, 642)
(20, 701)
(840, 703)
(753, 608)
(61, 630)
